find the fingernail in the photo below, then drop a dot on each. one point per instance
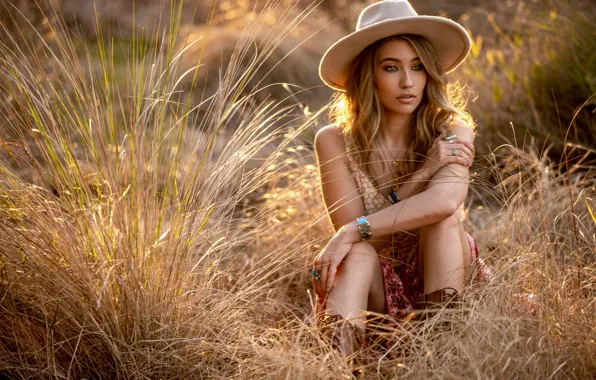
(328, 290)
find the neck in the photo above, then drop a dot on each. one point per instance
(394, 129)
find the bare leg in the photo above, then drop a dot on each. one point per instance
(443, 254)
(358, 285)
(465, 246)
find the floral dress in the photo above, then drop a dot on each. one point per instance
(401, 278)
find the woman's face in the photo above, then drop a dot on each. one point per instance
(400, 77)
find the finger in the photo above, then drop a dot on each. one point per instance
(464, 157)
(466, 147)
(469, 147)
(460, 157)
(317, 284)
(459, 147)
(460, 160)
(330, 277)
(323, 278)
(468, 144)
(466, 160)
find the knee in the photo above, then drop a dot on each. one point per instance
(363, 257)
(452, 221)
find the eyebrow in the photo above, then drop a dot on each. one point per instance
(397, 60)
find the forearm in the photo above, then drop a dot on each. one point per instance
(415, 184)
(444, 194)
(427, 207)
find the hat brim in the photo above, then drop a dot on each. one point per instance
(449, 40)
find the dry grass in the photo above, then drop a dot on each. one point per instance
(138, 244)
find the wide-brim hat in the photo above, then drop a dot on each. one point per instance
(449, 40)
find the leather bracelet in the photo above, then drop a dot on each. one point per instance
(393, 197)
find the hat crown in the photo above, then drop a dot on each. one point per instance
(383, 11)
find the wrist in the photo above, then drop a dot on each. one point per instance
(350, 232)
(422, 174)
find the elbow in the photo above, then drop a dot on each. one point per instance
(448, 205)
(451, 207)
(445, 210)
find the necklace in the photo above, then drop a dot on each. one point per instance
(386, 148)
(394, 165)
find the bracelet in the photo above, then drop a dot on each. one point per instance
(364, 228)
(393, 197)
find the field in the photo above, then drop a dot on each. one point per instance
(160, 206)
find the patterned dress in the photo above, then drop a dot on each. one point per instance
(401, 279)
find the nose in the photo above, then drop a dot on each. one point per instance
(405, 80)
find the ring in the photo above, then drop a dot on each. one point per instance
(453, 152)
(450, 138)
(450, 141)
(316, 274)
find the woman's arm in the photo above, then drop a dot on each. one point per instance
(433, 161)
(339, 187)
(446, 191)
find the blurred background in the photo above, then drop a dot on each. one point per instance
(532, 66)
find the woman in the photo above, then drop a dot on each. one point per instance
(394, 169)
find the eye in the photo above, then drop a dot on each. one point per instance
(391, 68)
(419, 66)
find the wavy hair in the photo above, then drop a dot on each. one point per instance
(359, 112)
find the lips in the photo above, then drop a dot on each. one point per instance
(406, 98)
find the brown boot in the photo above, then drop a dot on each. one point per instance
(346, 338)
(435, 301)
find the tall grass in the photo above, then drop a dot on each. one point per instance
(137, 244)
(533, 64)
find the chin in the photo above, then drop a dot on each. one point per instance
(405, 109)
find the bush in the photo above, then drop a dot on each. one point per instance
(532, 65)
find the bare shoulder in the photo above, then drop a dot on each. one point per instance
(462, 129)
(329, 141)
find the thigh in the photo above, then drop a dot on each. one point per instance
(449, 230)
(441, 253)
(465, 246)
(376, 295)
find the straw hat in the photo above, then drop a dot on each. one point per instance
(449, 40)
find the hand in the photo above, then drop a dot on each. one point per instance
(441, 154)
(327, 262)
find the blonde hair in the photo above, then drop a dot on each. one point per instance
(359, 112)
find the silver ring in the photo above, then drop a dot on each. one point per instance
(449, 138)
(450, 141)
(453, 152)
